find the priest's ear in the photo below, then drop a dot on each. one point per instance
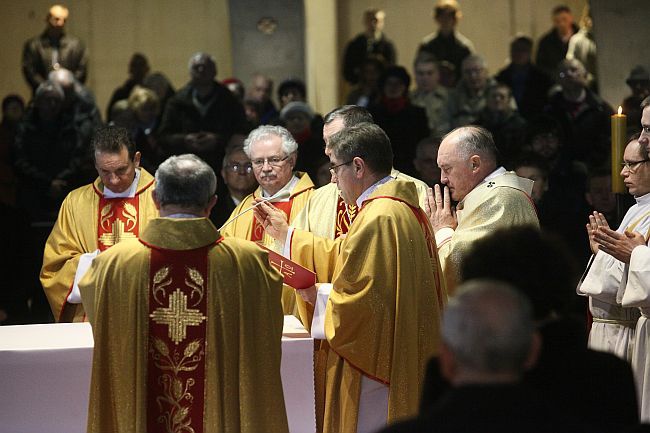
(155, 199)
(136, 159)
(211, 204)
(475, 163)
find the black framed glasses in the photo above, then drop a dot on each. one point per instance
(630, 165)
(334, 167)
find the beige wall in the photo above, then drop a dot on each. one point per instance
(167, 31)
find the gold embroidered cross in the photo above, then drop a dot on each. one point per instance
(116, 234)
(177, 316)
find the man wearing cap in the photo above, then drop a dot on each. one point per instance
(272, 151)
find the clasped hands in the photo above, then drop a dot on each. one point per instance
(439, 210)
(603, 238)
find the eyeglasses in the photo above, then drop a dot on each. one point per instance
(274, 161)
(334, 167)
(631, 164)
(238, 167)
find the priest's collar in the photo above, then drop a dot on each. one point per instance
(182, 215)
(498, 172)
(288, 187)
(366, 194)
(129, 193)
(643, 200)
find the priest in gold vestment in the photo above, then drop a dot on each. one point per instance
(273, 153)
(187, 325)
(116, 206)
(381, 313)
(488, 197)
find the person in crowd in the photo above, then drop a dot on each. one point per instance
(261, 90)
(239, 181)
(582, 46)
(144, 106)
(599, 194)
(54, 49)
(236, 87)
(138, 70)
(375, 312)
(447, 45)
(583, 115)
(613, 327)
(507, 126)
(553, 45)
(529, 84)
(371, 43)
(404, 123)
(13, 110)
(291, 90)
(533, 167)
(425, 162)
(272, 151)
(225, 317)
(488, 197)
(468, 98)
(366, 92)
(639, 83)
(115, 207)
(160, 84)
(298, 117)
(203, 116)
(430, 94)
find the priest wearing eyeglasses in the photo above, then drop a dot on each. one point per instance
(273, 152)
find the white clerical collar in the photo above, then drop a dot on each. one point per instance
(130, 192)
(498, 172)
(235, 200)
(182, 215)
(288, 187)
(364, 195)
(643, 200)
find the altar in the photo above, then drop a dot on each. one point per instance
(45, 377)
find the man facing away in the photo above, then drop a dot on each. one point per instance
(488, 197)
(380, 314)
(182, 319)
(116, 206)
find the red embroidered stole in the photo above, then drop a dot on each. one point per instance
(257, 231)
(344, 216)
(118, 219)
(178, 299)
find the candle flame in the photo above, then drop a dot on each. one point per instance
(620, 110)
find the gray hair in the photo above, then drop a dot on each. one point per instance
(185, 180)
(351, 115)
(366, 141)
(488, 326)
(49, 86)
(474, 58)
(475, 140)
(229, 152)
(289, 145)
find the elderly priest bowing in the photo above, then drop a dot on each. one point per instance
(381, 313)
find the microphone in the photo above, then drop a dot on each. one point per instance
(279, 196)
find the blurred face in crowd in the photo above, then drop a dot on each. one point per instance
(498, 99)
(446, 21)
(374, 21)
(520, 54)
(600, 195)
(146, 113)
(370, 74)
(457, 171)
(202, 71)
(117, 170)
(394, 88)
(546, 145)
(13, 112)
(138, 67)
(272, 167)
(56, 17)
(425, 163)
(49, 105)
(238, 175)
(290, 95)
(297, 122)
(640, 88)
(636, 174)
(572, 75)
(563, 22)
(261, 89)
(536, 175)
(474, 74)
(427, 76)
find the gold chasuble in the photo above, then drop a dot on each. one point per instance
(247, 227)
(89, 221)
(503, 201)
(187, 328)
(383, 314)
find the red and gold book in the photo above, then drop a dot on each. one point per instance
(294, 275)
